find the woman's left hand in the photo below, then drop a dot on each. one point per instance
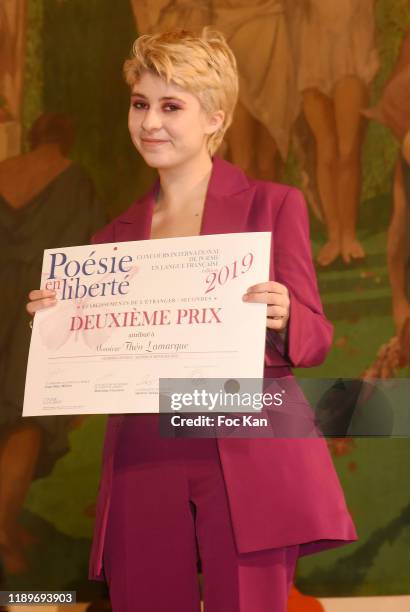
(276, 296)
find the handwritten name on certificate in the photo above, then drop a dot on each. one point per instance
(130, 313)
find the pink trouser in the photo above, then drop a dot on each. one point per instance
(169, 508)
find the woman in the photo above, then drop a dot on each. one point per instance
(247, 508)
(336, 60)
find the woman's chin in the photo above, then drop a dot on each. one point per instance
(159, 162)
(150, 162)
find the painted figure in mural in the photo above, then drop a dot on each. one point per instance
(12, 16)
(393, 110)
(257, 32)
(46, 200)
(164, 504)
(165, 15)
(268, 99)
(336, 60)
(11, 56)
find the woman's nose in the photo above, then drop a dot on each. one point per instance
(151, 120)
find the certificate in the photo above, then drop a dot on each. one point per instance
(130, 313)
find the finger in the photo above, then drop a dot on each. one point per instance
(39, 294)
(277, 311)
(33, 307)
(273, 299)
(277, 324)
(270, 286)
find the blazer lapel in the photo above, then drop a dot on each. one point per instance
(135, 223)
(228, 200)
(226, 208)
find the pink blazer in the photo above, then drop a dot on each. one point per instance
(281, 491)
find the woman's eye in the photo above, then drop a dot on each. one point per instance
(138, 105)
(171, 107)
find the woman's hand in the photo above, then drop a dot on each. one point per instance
(39, 299)
(276, 296)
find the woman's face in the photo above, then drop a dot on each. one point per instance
(167, 123)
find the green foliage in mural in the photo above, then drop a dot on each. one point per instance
(380, 149)
(84, 43)
(74, 65)
(33, 70)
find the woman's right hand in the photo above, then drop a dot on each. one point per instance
(39, 299)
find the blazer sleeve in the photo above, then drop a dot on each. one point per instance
(310, 334)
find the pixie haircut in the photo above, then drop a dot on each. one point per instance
(203, 64)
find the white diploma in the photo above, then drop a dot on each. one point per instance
(130, 313)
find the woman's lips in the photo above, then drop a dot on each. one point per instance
(152, 142)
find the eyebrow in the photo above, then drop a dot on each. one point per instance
(135, 94)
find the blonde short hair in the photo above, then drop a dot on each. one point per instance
(203, 64)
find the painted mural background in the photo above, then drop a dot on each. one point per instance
(62, 59)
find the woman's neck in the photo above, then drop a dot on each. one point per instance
(180, 187)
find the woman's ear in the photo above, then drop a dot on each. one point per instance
(215, 122)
